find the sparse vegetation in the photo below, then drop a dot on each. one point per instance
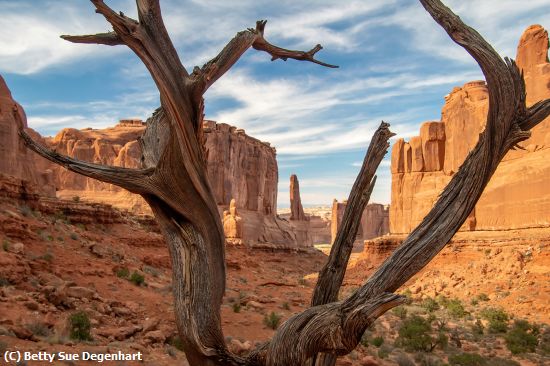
(5, 245)
(497, 318)
(176, 342)
(236, 307)
(377, 341)
(4, 282)
(80, 326)
(455, 308)
(430, 304)
(39, 329)
(76, 199)
(137, 278)
(467, 359)
(285, 306)
(400, 311)
(522, 337)
(123, 272)
(74, 236)
(415, 335)
(272, 320)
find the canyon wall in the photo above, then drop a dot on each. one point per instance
(374, 221)
(15, 159)
(517, 195)
(242, 170)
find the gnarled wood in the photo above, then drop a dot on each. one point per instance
(174, 183)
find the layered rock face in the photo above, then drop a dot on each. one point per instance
(15, 159)
(517, 195)
(374, 221)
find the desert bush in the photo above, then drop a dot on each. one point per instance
(522, 337)
(430, 304)
(236, 307)
(26, 211)
(76, 198)
(377, 341)
(285, 306)
(39, 329)
(442, 300)
(4, 282)
(400, 311)
(5, 245)
(137, 278)
(467, 359)
(455, 308)
(424, 359)
(414, 335)
(272, 320)
(498, 319)
(74, 236)
(123, 272)
(79, 325)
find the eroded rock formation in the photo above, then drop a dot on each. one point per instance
(296, 209)
(232, 222)
(517, 195)
(15, 159)
(374, 221)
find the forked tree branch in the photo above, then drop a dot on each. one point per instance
(231, 53)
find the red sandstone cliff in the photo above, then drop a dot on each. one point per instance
(517, 195)
(15, 159)
(374, 221)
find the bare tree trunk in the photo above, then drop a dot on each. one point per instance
(174, 183)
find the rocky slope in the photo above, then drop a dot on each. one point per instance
(374, 222)
(517, 196)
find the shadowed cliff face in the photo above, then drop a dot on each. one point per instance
(517, 195)
(15, 159)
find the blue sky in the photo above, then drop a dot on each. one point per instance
(396, 64)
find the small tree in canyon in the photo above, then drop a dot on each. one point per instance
(173, 181)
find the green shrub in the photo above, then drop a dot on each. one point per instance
(236, 307)
(442, 300)
(4, 282)
(123, 272)
(400, 311)
(522, 338)
(79, 324)
(414, 335)
(137, 278)
(285, 306)
(76, 198)
(377, 341)
(403, 360)
(272, 320)
(430, 304)
(455, 308)
(6, 245)
(467, 359)
(498, 319)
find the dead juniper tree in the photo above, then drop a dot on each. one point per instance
(173, 181)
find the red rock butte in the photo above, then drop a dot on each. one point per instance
(517, 195)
